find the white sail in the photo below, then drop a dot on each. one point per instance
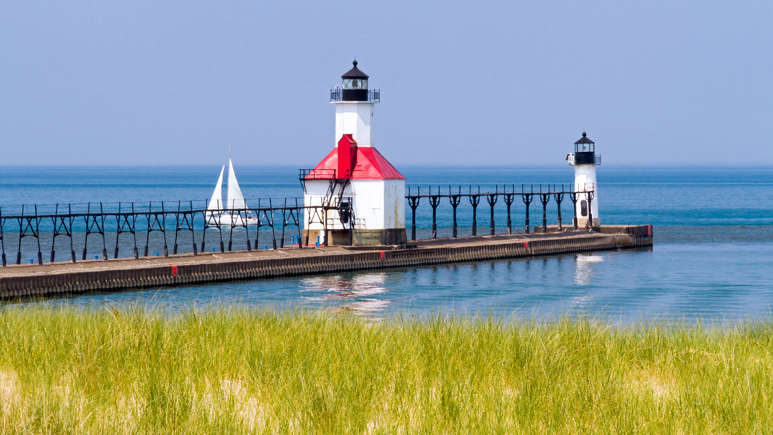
(234, 196)
(216, 201)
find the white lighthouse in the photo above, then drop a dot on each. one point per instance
(354, 195)
(584, 159)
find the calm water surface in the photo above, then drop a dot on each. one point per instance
(713, 257)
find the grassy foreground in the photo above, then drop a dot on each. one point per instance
(242, 371)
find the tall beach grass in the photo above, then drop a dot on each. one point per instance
(63, 370)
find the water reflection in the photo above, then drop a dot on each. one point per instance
(353, 293)
(583, 271)
(719, 282)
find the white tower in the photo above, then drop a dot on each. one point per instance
(354, 107)
(357, 196)
(584, 159)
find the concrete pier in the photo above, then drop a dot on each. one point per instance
(24, 281)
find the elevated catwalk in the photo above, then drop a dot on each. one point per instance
(25, 281)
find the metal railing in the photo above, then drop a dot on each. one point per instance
(336, 94)
(35, 229)
(455, 194)
(42, 226)
(316, 174)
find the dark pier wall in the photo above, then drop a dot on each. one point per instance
(18, 282)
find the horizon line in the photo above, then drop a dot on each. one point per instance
(406, 165)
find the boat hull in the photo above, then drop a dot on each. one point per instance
(232, 220)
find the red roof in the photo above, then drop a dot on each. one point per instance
(371, 165)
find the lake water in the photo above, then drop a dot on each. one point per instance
(712, 259)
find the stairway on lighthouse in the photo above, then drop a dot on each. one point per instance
(334, 201)
(339, 179)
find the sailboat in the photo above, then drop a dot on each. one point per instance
(232, 211)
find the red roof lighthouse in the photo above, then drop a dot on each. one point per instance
(355, 175)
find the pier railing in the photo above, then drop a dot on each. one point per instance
(507, 195)
(121, 226)
(101, 230)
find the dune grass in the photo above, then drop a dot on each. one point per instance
(63, 370)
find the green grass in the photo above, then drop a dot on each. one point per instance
(240, 371)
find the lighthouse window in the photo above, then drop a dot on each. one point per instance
(355, 84)
(584, 208)
(582, 148)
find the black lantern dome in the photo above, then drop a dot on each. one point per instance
(354, 84)
(585, 151)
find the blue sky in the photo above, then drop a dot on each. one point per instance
(479, 83)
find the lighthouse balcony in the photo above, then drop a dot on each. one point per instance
(339, 94)
(316, 174)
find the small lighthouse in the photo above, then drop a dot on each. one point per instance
(584, 159)
(354, 195)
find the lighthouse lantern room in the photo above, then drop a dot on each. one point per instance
(354, 195)
(584, 160)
